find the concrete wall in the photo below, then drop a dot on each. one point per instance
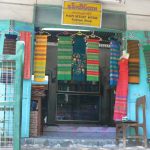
(138, 12)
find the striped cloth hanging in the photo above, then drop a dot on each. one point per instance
(92, 52)
(114, 58)
(133, 50)
(10, 44)
(40, 58)
(147, 61)
(26, 37)
(79, 58)
(64, 58)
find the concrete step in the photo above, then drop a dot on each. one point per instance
(64, 144)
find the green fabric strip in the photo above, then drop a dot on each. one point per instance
(65, 49)
(64, 46)
(64, 68)
(63, 72)
(61, 53)
(64, 65)
(92, 46)
(92, 56)
(93, 67)
(64, 38)
(64, 42)
(92, 78)
(65, 57)
(65, 61)
(63, 77)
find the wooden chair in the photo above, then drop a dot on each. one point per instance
(121, 127)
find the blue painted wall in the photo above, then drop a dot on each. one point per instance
(136, 90)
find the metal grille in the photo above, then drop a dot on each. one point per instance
(7, 95)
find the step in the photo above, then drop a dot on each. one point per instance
(65, 143)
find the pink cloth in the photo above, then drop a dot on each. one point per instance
(120, 108)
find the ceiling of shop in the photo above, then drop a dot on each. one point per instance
(138, 12)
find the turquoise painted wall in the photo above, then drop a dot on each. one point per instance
(136, 90)
(4, 26)
(26, 96)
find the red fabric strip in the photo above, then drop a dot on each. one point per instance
(93, 62)
(92, 51)
(26, 37)
(92, 73)
(93, 40)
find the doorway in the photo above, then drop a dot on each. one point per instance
(84, 102)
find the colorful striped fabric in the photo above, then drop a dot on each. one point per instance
(134, 72)
(26, 37)
(79, 58)
(147, 60)
(64, 58)
(92, 52)
(10, 44)
(40, 58)
(114, 58)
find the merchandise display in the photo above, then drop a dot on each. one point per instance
(93, 61)
(64, 58)
(134, 61)
(40, 58)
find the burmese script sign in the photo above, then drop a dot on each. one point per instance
(82, 14)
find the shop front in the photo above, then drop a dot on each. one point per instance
(77, 90)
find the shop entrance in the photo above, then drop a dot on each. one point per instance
(79, 102)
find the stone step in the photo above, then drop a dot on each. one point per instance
(46, 143)
(66, 142)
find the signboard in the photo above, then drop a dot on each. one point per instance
(82, 14)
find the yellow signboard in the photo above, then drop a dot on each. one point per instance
(82, 14)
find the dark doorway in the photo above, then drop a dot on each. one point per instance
(80, 102)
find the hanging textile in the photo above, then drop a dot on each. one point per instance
(64, 58)
(114, 57)
(120, 108)
(10, 44)
(26, 37)
(79, 58)
(147, 61)
(92, 52)
(133, 50)
(40, 58)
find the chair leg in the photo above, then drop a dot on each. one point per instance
(117, 135)
(137, 133)
(124, 136)
(145, 137)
